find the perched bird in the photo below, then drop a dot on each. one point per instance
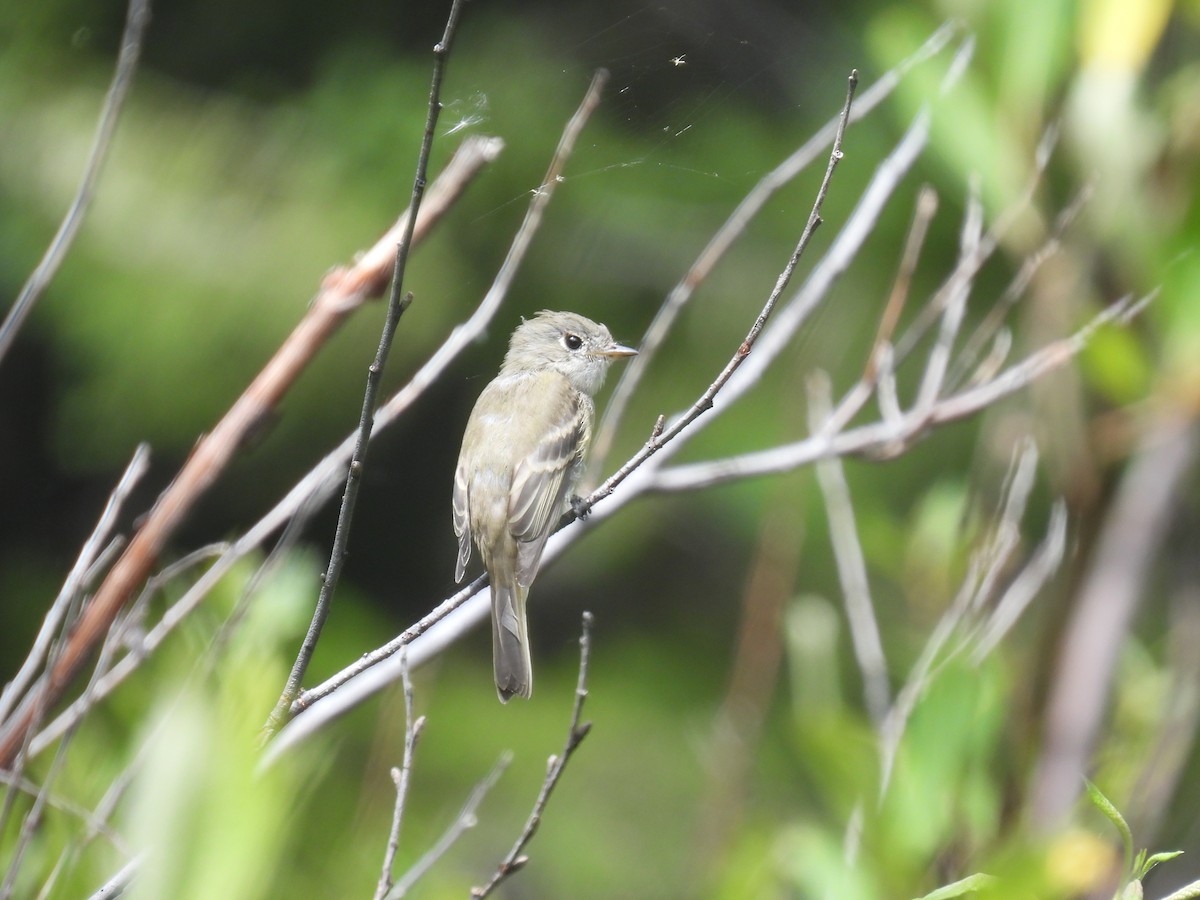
(522, 454)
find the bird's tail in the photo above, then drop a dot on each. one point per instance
(510, 641)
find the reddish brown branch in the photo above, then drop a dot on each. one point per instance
(342, 291)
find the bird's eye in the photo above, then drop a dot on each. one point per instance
(573, 341)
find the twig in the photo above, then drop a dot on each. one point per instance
(515, 860)
(843, 251)
(1026, 585)
(397, 304)
(137, 17)
(95, 822)
(467, 818)
(76, 578)
(851, 564)
(400, 777)
(342, 291)
(661, 437)
(1017, 286)
(955, 305)
(50, 641)
(970, 264)
(140, 646)
(829, 268)
(115, 886)
(926, 209)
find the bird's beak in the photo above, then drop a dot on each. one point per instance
(616, 351)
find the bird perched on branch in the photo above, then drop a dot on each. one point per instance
(522, 454)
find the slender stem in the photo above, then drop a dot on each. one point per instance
(401, 778)
(702, 405)
(136, 19)
(396, 307)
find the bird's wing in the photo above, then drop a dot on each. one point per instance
(543, 478)
(459, 510)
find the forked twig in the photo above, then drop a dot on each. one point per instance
(515, 860)
(663, 436)
(76, 578)
(401, 778)
(467, 818)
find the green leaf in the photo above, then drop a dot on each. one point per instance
(968, 885)
(1105, 806)
(1144, 867)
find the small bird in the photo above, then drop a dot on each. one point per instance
(522, 454)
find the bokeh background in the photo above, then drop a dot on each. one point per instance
(264, 143)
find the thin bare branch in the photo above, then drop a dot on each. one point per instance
(95, 822)
(1026, 585)
(397, 304)
(466, 819)
(125, 630)
(115, 886)
(990, 326)
(926, 209)
(970, 264)
(851, 563)
(33, 817)
(137, 17)
(705, 402)
(401, 778)
(516, 860)
(76, 579)
(955, 306)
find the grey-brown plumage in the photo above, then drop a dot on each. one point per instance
(522, 454)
